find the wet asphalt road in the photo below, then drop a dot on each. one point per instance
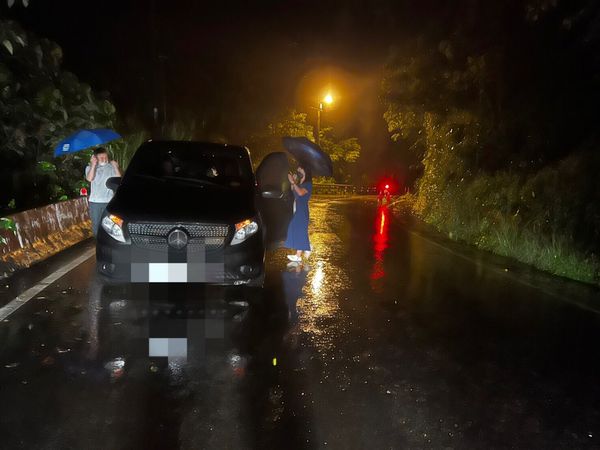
(387, 339)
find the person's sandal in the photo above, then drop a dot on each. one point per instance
(294, 258)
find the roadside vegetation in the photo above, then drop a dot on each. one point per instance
(503, 125)
(40, 104)
(344, 152)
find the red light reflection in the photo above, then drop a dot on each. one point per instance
(380, 243)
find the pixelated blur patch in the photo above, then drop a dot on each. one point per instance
(167, 272)
(214, 328)
(180, 272)
(167, 347)
(139, 272)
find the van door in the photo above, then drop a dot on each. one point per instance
(275, 199)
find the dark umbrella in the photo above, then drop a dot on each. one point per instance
(83, 139)
(309, 155)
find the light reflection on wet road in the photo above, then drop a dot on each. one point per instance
(383, 340)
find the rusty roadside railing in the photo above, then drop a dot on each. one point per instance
(342, 189)
(42, 232)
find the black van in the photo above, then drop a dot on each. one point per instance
(194, 212)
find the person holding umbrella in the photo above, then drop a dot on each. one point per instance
(312, 160)
(97, 172)
(297, 236)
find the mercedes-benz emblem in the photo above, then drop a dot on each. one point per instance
(177, 239)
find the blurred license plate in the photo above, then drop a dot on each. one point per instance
(167, 272)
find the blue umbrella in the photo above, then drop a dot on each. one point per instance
(83, 139)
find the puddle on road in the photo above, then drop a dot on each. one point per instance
(319, 284)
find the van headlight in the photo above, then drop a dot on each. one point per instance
(113, 225)
(243, 230)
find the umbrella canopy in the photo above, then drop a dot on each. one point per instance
(310, 155)
(83, 139)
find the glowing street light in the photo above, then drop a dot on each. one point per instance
(328, 100)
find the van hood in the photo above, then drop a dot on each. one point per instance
(176, 201)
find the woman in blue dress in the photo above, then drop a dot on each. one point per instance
(297, 236)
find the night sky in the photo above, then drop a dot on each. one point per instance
(232, 65)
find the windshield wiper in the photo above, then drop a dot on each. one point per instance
(192, 180)
(149, 177)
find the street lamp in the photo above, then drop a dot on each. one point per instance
(327, 100)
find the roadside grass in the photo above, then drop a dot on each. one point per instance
(507, 236)
(554, 254)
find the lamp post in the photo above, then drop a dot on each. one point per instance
(327, 100)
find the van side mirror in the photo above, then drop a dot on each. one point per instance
(113, 183)
(272, 194)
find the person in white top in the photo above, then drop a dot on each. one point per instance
(97, 172)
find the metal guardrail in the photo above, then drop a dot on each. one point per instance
(343, 189)
(44, 231)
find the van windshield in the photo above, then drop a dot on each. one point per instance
(193, 164)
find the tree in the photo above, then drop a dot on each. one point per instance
(500, 109)
(40, 104)
(267, 140)
(344, 154)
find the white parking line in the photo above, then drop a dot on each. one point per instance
(23, 298)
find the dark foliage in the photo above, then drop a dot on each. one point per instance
(500, 109)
